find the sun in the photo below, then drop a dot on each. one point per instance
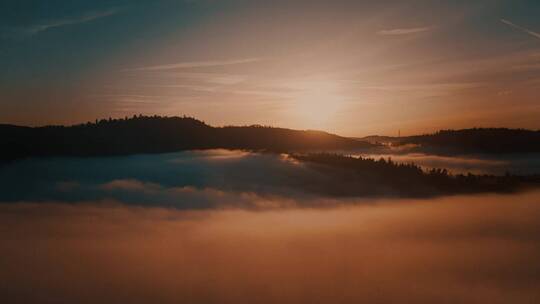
(317, 105)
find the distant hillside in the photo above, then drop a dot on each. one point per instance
(353, 176)
(490, 140)
(378, 139)
(477, 140)
(153, 134)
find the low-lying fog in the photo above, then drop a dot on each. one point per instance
(198, 179)
(481, 249)
(235, 227)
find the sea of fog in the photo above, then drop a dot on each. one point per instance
(236, 227)
(204, 179)
(467, 249)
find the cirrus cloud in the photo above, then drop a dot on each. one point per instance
(404, 31)
(530, 32)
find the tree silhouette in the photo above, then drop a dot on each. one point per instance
(156, 134)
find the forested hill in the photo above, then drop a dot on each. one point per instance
(476, 140)
(479, 140)
(153, 134)
(357, 176)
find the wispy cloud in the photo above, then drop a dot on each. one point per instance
(196, 64)
(214, 78)
(527, 67)
(37, 28)
(534, 34)
(403, 31)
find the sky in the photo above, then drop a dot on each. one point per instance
(348, 67)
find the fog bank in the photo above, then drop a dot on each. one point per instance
(466, 249)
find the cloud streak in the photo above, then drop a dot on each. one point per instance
(88, 17)
(403, 31)
(196, 64)
(509, 23)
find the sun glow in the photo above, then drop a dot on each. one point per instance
(317, 105)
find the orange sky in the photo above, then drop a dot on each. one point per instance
(353, 68)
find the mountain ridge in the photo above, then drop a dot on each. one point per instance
(156, 134)
(466, 141)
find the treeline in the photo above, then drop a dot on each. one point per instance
(354, 176)
(155, 134)
(478, 140)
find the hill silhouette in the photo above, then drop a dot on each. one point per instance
(475, 140)
(155, 134)
(357, 176)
